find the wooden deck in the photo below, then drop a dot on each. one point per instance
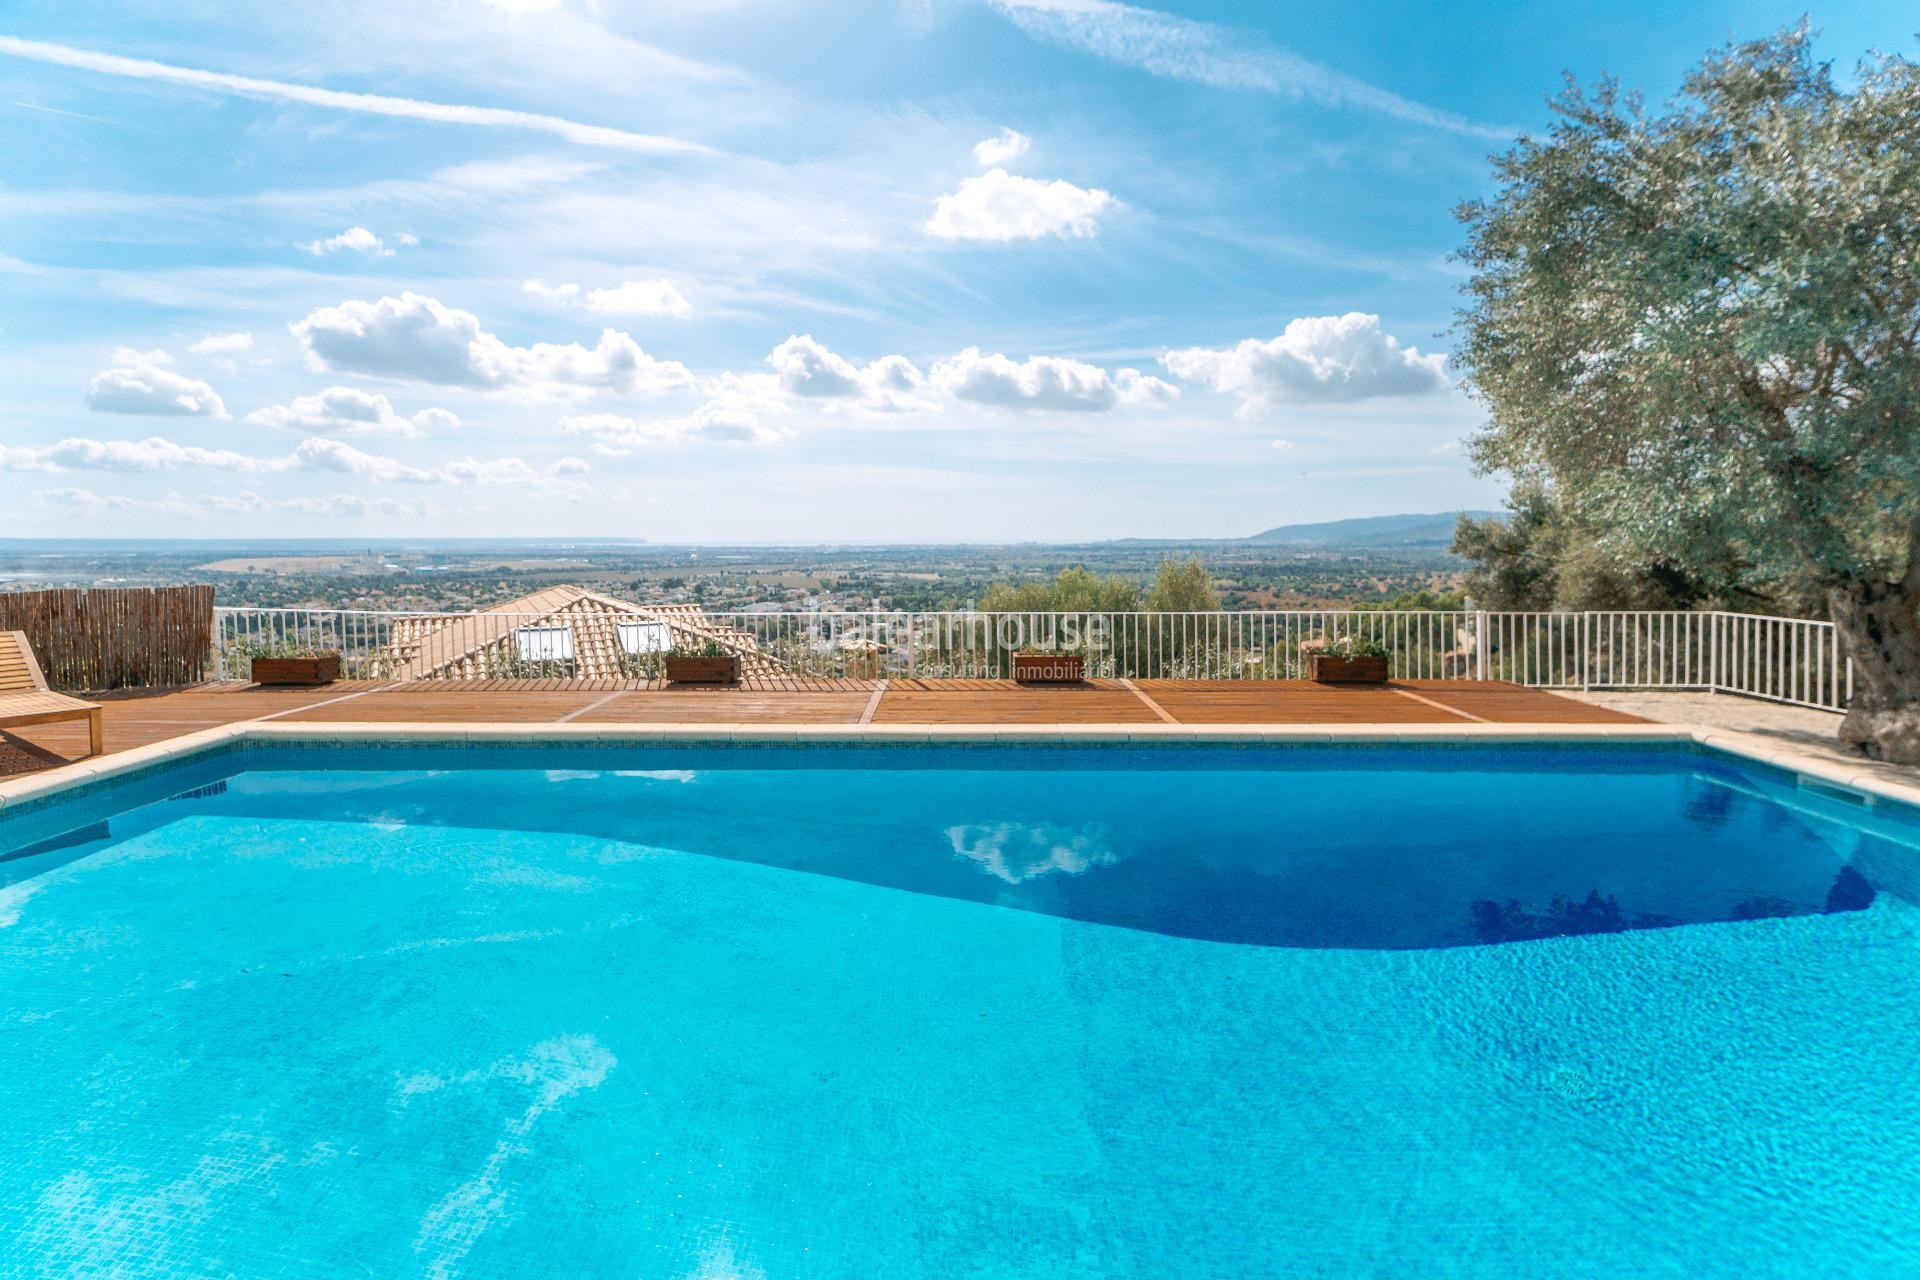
(136, 718)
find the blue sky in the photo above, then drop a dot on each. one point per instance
(908, 270)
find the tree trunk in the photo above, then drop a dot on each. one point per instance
(1879, 626)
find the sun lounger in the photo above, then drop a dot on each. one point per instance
(25, 698)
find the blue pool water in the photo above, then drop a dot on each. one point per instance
(905, 1012)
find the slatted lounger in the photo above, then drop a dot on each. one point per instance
(25, 698)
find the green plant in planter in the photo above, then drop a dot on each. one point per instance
(711, 649)
(279, 649)
(1348, 647)
(643, 666)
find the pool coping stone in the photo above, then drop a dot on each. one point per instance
(1749, 746)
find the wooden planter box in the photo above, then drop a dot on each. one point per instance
(320, 668)
(704, 670)
(1331, 670)
(1049, 668)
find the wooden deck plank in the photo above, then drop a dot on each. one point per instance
(1305, 702)
(1287, 702)
(1005, 702)
(1503, 703)
(800, 684)
(135, 718)
(730, 706)
(415, 705)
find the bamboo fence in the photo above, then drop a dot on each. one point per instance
(115, 638)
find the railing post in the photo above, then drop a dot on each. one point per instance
(1480, 644)
(1713, 653)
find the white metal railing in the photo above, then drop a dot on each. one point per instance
(1781, 659)
(1794, 660)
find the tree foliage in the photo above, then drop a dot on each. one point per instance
(1540, 556)
(1182, 586)
(1177, 585)
(1072, 590)
(1698, 328)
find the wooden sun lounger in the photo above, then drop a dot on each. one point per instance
(25, 698)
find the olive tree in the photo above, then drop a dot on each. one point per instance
(1182, 586)
(1073, 590)
(1699, 326)
(1537, 556)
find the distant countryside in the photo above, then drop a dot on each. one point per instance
(1387, 561)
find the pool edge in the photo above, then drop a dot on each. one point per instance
(100, 769)
(1748, 746)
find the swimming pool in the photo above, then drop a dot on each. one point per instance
(1051, 1010)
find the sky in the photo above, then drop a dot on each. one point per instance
(767, 270)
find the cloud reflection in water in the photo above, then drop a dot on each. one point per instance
(1021, 851)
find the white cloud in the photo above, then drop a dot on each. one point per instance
(1317, 360)
(419, 339)
(88, 501)
(223, 344)
(141, 386)
(344, 505)
(1282, 446)
(317, 454)
(358, 239)
(552, 292)
(723, 420)
(1003, 148)
(1044, 382)
(640, 298)
(615, 435)
(77, 453)
(516, 472)
(313, 454)
(588, 135)
(333, 455)
(134, 356)
(809, 370)
(352, 412)
(1137, 388)
(996, 205)
(339, 505)
(1221, 56)
(659, 297)
(892, 382)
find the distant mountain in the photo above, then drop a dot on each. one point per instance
(1434, 530)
